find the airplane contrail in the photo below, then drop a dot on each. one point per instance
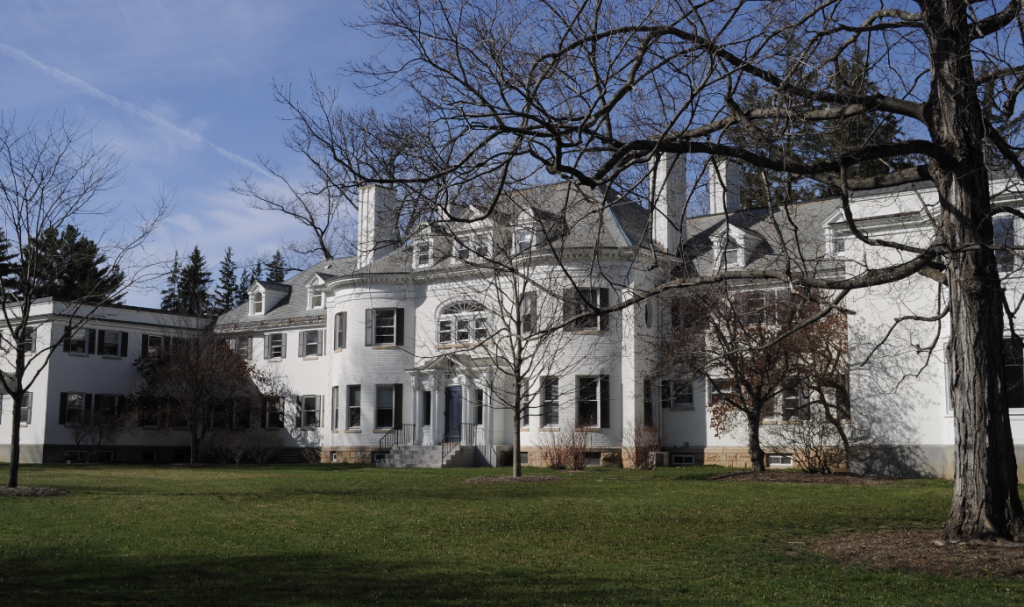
(87, 88)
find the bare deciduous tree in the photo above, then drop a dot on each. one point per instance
(52, 176)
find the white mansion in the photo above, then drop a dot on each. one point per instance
(400, 345)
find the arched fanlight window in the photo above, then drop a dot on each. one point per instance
(257, 303)
(462, 322)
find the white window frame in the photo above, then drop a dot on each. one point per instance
(462, 323)
(680, 388)
(310, 412)
(377, 408)
(101, 347)
(594, 380)
(418, 260)
(683, 459)
(26, 409)
(780, 460)
(257, 303)
(524, 235)
(1006, 260)
(314, 295)
(306, 343)
(281, 346)
(378, 340)
(353, 405)
(78, 336)
(80, 409)
(549, 405)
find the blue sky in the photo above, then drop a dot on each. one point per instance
(183, 89)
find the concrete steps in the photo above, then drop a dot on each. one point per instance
(422, 456)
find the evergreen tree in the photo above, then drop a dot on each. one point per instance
(170, 300)
(228, 292)
(194, 285)
(9, 270)
(67, 265)
(275, 269)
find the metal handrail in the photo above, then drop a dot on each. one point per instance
(399, 435)
(454, 438)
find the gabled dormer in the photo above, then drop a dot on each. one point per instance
(264, 296)
(735, 247)
(316, 297)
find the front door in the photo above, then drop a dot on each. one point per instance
(452, 410)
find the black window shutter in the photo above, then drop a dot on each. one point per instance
(284, 345)
(648, 403)
(88, 405)
(344, 328)
(67, 339)
(62, 415)
(320, 411)
(124, 344)
(398, 406)
(426, 407)
(92, 341)
(369, 326)
(666, 393)
(603, 302)
(399, 326)
(145, 345)
(100, 339)
(606, 407)
(321, 338)
(266, 346)
(26, 402)
(298, 418)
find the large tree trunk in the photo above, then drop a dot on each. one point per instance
(986, 504)
(12, 473)
(754, 442)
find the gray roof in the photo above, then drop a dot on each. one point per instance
(291, 310)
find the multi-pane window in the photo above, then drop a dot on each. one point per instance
(110, 343)
(592, 402)
(104, 407)
(794, 407)
(316, 299)
(75, 412)
(28, 340)
(256, 301)
(151, 344)
(241, 347)
(528, 313)
(384, 326)
(524, 405)
(1003, 236)
(462, 323)
(1013, 372)
(581, 301)
(678, 393)
(271, 417)
(422, 254)
(549, 401)
(77, 341)
(838, 244)
(353, 419)
(340, 329)
(385, 406)
(310, 343)
(26, 409)
(524, 240)
(732, 252)
(276, 345)
(310, 414)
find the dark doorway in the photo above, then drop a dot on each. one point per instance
(452, 410)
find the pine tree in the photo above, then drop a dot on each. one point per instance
(9, 269)
(170, 297)
(194, 285)
(275, 269)
(67, 265)
(227, 293)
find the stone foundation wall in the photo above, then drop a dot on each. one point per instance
(350, 455)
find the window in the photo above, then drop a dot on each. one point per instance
(110, 343)
(462, 323)
(241, 346)
(340, 329)
(721, 388)
(466, 247)
(422, 254)
(256, 303)
(335, 409)
(528, 313)
(524, 405)
(275, 346)
(794, 407)
(271, 417)
(1013, 372)
(478, 407)
(309, 413)
(838, 244)
(581, 301)
(549, 402)
(780, 460)
(648, 315)
(524, 240)
(1003, 236)
(316, 299)
(26, 409)
(592, 398)
(151, 344)
(28, 340)
(732, 253)
(77, 341)
(678, 393)
(389, 406)
(105, 408)
(311, 343)
(354, 398)
(753, 308)
(682, 459)
(74, 407)
(385, 327)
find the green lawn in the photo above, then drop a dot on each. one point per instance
(324, 534)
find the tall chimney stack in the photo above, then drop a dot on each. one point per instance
(724, 186)
(667, 177)
(378, 219)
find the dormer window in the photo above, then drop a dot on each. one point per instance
(468, 247)
(524, 240)
(732, 253)
(422, 255)
(316, 299)
(256, 303)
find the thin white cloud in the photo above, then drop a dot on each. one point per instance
(85, 87)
